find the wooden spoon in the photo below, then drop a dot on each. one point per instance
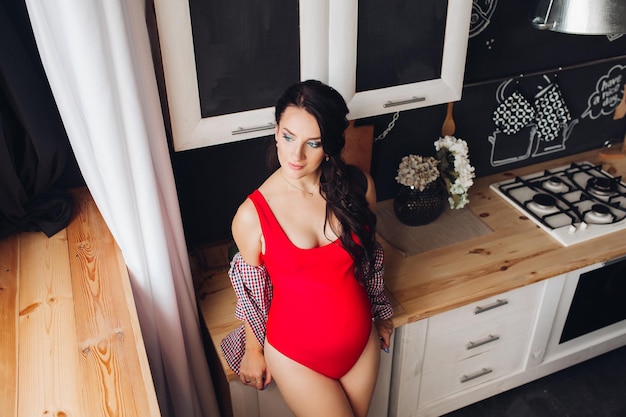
(449, 126)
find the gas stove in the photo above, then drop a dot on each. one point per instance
(572, 203)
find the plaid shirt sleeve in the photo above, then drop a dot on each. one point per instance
(253, 288)
(375, 286)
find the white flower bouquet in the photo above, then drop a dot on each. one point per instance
(455, 168)
(451, 164)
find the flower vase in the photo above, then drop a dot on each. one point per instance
(415, 208)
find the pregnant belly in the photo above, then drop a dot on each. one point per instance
(325, 332)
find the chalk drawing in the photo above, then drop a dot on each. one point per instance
(607, 95)
(481, 15)
(527, 143)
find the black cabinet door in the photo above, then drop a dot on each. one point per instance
(399, 42)
(598, 301)
(246, 52)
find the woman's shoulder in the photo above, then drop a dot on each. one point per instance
(246, 221)
(246, 215)
(246, 232)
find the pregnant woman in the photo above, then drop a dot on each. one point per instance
(308, 233)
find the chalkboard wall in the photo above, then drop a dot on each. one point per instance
(505, 55)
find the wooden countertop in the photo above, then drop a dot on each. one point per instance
(517, 253)
(70, 342)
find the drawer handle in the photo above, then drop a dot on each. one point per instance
(401, 102)
(491, 338)
(242, 130)
(478, 374)
(498, 303)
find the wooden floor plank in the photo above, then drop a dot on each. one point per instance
(115, 381)
(48, 359)
(9, 250)
(70, 340)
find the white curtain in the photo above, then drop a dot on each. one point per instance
(96, 54)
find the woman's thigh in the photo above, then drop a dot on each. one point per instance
(306, 392)
(360, 381)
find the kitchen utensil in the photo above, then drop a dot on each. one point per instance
(582, 17)
(449, 126)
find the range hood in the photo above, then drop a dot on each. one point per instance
(582, 17)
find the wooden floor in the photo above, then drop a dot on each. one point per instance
(70, 343)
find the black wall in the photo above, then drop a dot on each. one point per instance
(504, 54)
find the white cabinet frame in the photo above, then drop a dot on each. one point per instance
(328, 39)
(189, 129)
(342, 64)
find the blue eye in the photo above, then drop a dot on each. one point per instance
(287, 137)
(315, 144)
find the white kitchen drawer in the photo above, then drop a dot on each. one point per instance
(439, 382)
(520, 300)
(449, 348)
(464, 349)
(449, 366)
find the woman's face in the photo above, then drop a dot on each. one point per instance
(299, 143)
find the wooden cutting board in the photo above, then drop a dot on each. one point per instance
(359, 144)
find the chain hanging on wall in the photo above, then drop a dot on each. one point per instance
(391, 125)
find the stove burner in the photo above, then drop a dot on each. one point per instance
(599, 213)
(543, 204)
(601, 209)
(601, 186)
(555, 184)
(555, 181)
(544, 201)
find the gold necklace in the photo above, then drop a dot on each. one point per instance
(307, 193)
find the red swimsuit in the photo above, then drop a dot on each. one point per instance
(320, 315)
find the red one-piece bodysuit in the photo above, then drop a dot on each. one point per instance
(320, 314)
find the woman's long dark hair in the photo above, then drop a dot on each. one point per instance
(342, 186)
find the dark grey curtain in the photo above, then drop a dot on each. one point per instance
(34, 147)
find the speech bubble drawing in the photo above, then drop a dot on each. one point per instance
(608, 93)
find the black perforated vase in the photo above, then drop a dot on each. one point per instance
(415, 208)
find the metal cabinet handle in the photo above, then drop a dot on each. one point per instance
(478, 374)
(401, 102)
(491, 338)
(498, 303)
(242, 130)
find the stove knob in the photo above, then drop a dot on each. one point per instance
(582, 226)
(571, 229)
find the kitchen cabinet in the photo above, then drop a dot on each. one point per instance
(386, 57)
(225, 63)
(467, 354)
(440, 361)
(478, 343)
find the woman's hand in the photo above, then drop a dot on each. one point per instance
(253, 370)
(384, 329)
